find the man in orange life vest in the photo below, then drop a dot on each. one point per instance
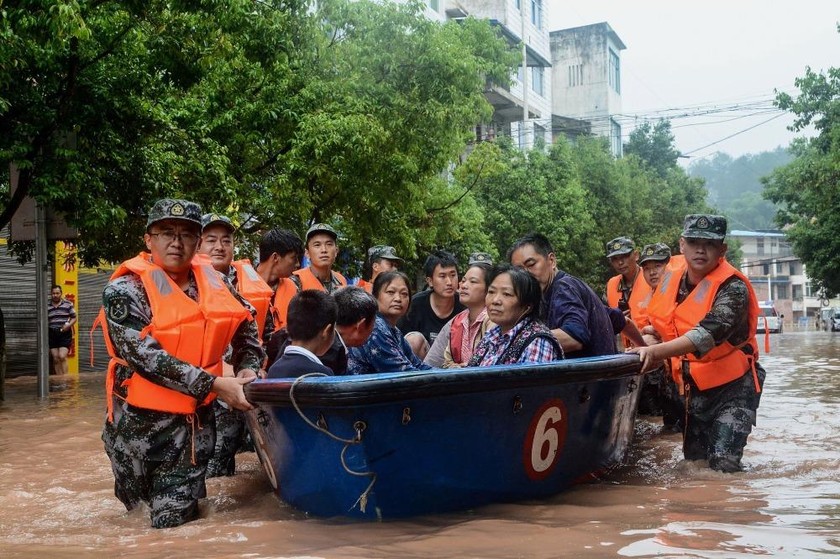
(380, 258)
(159, 433)
(217, 243)
(628, 290)
(705, 315)
(322, 250)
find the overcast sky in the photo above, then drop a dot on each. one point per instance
(710, 55)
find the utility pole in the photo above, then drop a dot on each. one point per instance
(41, 270)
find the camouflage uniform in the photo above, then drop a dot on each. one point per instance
(232, 435)
(157, 457)
(329, 286)
(720, 419)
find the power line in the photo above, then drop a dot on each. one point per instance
(735, 134)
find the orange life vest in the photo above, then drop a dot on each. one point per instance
(286, 289)
(366, 285)
(725, 362)
(639, 297)
(676, 263)
(195, 332)
(253, 289)
(309, 281)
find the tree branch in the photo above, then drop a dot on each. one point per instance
(461, 197)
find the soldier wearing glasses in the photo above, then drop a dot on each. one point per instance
(167, 322)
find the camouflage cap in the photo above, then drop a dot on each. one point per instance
(382, 251)
(480, 258)
(215, 219)
(321, 228)
(619, 246)
(704, 226)
(173, 208)
(656, 251)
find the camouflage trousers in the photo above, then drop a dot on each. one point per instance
(720, 419)
(231, 437)
(660, 396)
(160, 459)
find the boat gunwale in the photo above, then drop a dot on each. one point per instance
(381, 388)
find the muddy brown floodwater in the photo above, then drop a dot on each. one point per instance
(56, 491)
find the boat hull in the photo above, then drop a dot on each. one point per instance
(443, 440)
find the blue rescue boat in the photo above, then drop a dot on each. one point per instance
(392, 445)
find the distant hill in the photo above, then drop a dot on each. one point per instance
(735, 187)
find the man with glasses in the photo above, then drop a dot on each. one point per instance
(167, 321)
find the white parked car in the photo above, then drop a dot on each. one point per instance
(768, 318)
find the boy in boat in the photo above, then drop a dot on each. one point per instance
(706, 314)
(159, 432)
(311, 330)
(355, 316)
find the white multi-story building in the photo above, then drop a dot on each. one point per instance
(586, 82)
(777, 275)
(523, 109)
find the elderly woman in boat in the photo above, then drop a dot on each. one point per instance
(513, 303)
(386, 349)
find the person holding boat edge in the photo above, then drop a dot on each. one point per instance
(706, 316)
(159, 431)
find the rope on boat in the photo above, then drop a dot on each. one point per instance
(359, 426)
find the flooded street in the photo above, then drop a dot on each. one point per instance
(56, 491)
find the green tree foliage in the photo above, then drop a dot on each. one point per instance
(538, 191)
(644, 200)
(580, 196)
(807, 190)
(735, 187)
(654, 145)
(268, 110)
(141, 87)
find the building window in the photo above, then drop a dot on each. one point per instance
(536, 13)
(518, 4)
(575, 75)
(782, 291)
(796, 291)
(766, 268)
(539, 134)
(615, 138)
(795, 268)
(615, 72)
(778, 267)
(434, 5)
(809, 291)
(759, 248)
(537, 76)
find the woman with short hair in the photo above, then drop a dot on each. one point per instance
(513, 303)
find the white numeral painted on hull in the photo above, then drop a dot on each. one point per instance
(545, 439)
